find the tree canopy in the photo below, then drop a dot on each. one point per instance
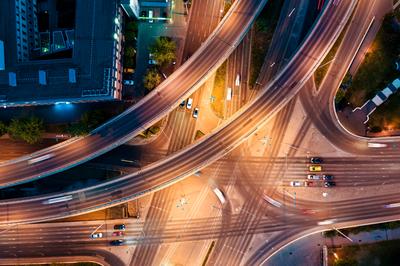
(3, 129)
(163, 51)
(151, 79)
(27, 129)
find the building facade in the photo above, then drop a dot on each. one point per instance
(27, 32)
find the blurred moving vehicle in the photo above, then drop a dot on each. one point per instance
(220, 195)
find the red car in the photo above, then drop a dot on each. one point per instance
(118, 233)
(309, 184)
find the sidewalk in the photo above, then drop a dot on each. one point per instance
(308, 251)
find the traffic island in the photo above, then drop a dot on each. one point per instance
(358, 97)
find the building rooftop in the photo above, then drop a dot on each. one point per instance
(95, 59)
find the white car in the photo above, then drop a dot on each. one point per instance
(129, 82)
(196, 112)
(314, 177)
(97, 235)
(189, 103)
(237, 80)
(295, 183)
(229, 94)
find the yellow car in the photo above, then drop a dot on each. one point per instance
(315, 168)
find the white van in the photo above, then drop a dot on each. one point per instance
(151, 16)
(229, 94)
(237, 81)
(189, 103)
(220, 195)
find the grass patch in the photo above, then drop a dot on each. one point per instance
(218, 92)
(382, 253)
(263, 31)
(199, 134)
(151, 131)
(378, 70)
(227, 6)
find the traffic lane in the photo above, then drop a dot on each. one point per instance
(360, 208)
(326, 120)
(145, 109)
(244, 123)
(33, 253)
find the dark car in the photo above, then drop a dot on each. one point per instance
(182, 104)
(119, 227)
(329, 184)
(118, 242)
(316, 160)
(327, 177)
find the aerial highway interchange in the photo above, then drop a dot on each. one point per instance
(236, 156)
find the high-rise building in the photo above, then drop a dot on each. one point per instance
(131, 7)
(27, 33)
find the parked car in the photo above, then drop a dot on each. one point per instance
(295, 183)
(189, 103)
(151, 60)
(314, 177)
(196, 112)
(327, 177)
(182, 104)
(329, 184)
(97, 235)
(117, 242)
(119, 227)
(316, 160)
(315, 168)
(129, 82)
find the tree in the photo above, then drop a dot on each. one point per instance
(94, 118)
(163, 51)
(3, 129)
(27, 129)
(130, 51)
(89, 121)
(78, 129)
(151, 79)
